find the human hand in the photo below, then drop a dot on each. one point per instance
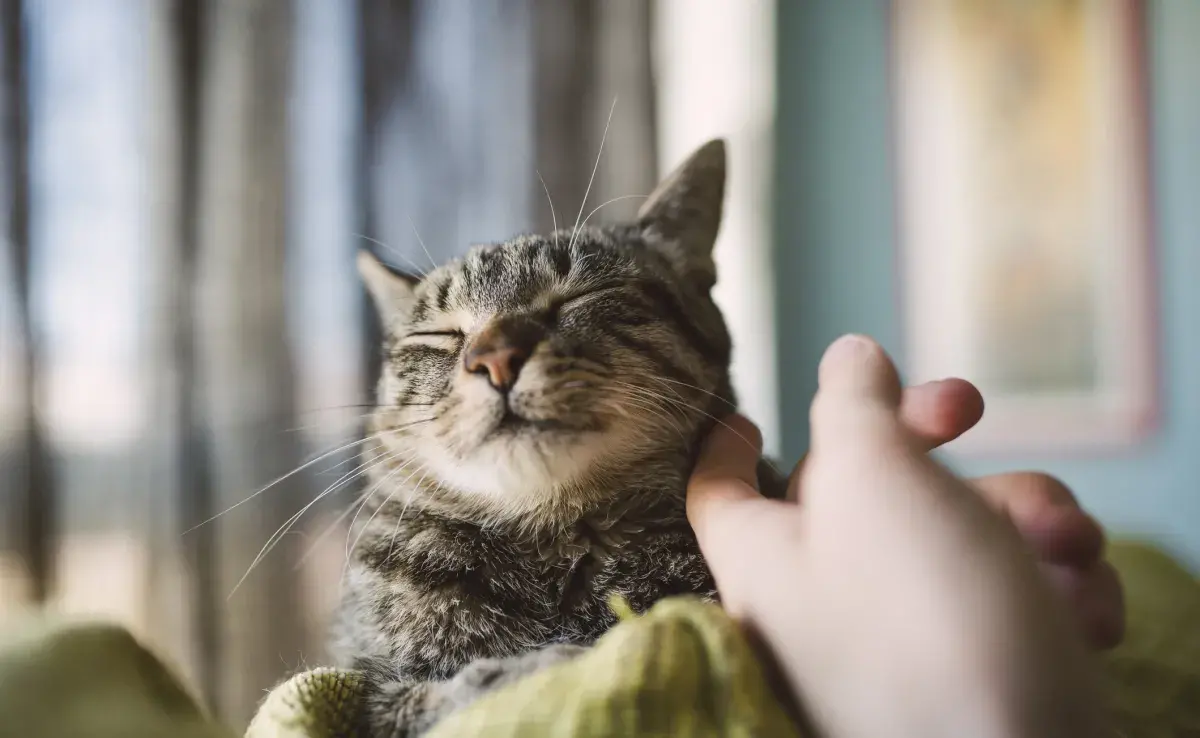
(831, 585)
(1067, 542)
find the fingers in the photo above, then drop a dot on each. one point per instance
(731, 451)
(1103, 607)
(1070, 545)
(856, 369)
(858, 394)
(939, 412)
(1097, 599)
(724, 507)
(935, 413)
(1046, 514)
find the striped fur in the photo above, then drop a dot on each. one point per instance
(496, 525)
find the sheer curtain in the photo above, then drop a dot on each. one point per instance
(183, 186)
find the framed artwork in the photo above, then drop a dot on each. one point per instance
(1023, 215)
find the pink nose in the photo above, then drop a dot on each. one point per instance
(501, 363)
(503, 348)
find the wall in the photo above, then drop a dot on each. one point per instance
(837, 261)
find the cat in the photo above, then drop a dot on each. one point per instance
(540, 406)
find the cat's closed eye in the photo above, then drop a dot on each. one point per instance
(579, 299)
(444, 340)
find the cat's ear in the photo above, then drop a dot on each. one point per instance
(392, 292)
(683, 214)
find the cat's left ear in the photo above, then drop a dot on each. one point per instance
(393, 293)
(683, 214)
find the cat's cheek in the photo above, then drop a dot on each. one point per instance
(477, 410)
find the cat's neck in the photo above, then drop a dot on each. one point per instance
(647, 488)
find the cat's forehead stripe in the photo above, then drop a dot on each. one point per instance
(443, 295)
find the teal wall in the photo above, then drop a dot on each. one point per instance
(837, 258)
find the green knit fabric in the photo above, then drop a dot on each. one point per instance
(682, 669)
(90, 680)
(322, 703)
(1154, 676)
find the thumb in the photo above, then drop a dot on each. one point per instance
(723, 489)
(727, 468)
(858, 394)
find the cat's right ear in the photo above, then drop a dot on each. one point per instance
(682, 216)
(392, 292)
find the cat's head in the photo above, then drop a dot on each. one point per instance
(525, 372)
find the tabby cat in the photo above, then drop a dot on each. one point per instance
(539, 409)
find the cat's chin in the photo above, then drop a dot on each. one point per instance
(512, 424)
(520, 464)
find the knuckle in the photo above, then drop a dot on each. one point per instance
(1044, 488)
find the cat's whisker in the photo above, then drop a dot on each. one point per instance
(373, 408)
(311, 462)
(316, 426)
(553, 216)
(400, 518)
(654, 398)
(346, 513)
(282, 531)
(421, 242)
(352, 547)
(592, 179)
(610, 202)
(328, 529)
(713, 395)
(366, 497)
(350, 460)
(283, 478)
(396, 252)
(377, 486)
(331, 408)
(357, 507)
(655, 411)
(719, 421)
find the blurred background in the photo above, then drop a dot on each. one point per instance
(184, 183)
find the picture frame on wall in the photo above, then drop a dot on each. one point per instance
(1023, 215)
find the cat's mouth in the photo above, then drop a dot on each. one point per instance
(514, 422)
(511, 421)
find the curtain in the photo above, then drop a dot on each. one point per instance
(183, 186)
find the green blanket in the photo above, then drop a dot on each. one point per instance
(680, 670)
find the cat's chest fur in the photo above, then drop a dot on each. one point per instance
(430, 594)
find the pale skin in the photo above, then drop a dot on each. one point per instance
(893, 597)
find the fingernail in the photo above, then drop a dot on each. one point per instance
(853, 342)
(858, 365)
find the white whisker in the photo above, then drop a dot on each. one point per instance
(422, 242)
(592, 179)
(285, 477)
(693, 408)
(713, 395)
(349, 509)
(352, 547)
(395, 251)
(553, 216)
(610, 202)
(282, 530)
(329, 529)
(655, 411)
(400, 518)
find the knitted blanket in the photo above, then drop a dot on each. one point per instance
(682, 669)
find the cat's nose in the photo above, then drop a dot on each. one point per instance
(502, 349)
(502, 364)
